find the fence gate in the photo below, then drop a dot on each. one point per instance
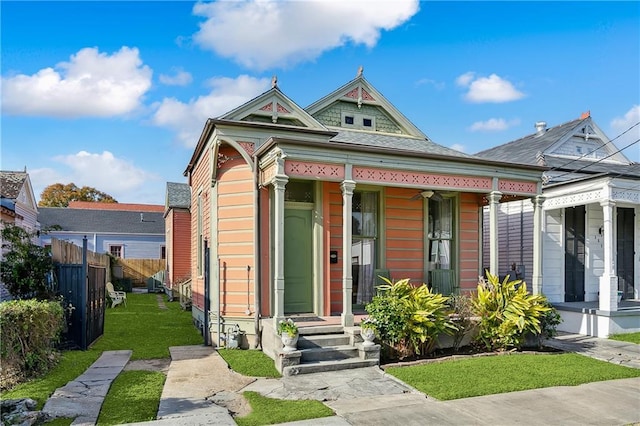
(84, 290)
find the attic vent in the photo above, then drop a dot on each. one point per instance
(541, 128)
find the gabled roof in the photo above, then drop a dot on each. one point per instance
(361, 92)
(178, 195)
(11, 183)
(101, 221)
(527, 149)
(274, 107)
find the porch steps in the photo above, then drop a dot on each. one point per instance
(328, 348)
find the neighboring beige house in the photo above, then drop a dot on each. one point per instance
(590, 253)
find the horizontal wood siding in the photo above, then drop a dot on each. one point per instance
(180, 246)
(334, 195)
(469, 238)
(404, 233)
(236, 234)
(200, 182)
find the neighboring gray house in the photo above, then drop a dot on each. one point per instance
(590, 253)
(17, 195)
(128, 234)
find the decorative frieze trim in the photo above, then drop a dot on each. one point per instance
(302, 169)
(373, 175)
(515, 186)
(571, 200)
(626, 195)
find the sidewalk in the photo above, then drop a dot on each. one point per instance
(201, 390)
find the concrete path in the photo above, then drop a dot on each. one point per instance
(623, 353)
(82, 398)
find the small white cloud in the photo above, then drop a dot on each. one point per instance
(261, 34)
(465, 79)
(438, 85)
(493, 125)
(628, 123)
(188, 119)
(488, 89)
(458, 147)
(91, 84)
(115, 176)
(181, 78)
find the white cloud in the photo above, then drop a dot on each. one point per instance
(458, 147)
(624, 123)
(261, 34)
(438, 85)
(117, 177)
(181, 78)
(187, 119)
(91, 84)
(488, 89)
(493, 125)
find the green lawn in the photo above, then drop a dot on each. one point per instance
(134, 397)
(141, 326)
(626, 337)
(269, 411)
(250, 363)
(507, 373)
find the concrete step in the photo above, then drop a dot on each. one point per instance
(322, 340)
(321, 366)
(328, 353)
(320, 329)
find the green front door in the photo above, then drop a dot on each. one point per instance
(298, 261)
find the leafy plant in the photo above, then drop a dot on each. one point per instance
(287, 326)
(25, 266)
(369, 323)
(507, 312)
(409, 318)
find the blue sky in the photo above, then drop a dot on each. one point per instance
(115, 94)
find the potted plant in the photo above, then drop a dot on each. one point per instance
(288, 332)
(368, 330)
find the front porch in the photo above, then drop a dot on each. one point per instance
(587, 319)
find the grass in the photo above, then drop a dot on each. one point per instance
(269, 411)
(250, 363)
(507, 373)
(140, 326)
(626, 337)
(146, 329)
(134, 397)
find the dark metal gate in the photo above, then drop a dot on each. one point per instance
(83, 289)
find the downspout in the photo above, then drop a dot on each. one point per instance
(256, 261)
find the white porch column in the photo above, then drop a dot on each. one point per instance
(536, 285)
(279, 183)
(494, 199)
(347, 187)
(608, 300)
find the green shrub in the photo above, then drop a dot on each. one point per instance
(462, 318)
(507, 313)
(409, 319)
(30, 328)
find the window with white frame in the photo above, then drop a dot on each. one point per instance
(116, 250)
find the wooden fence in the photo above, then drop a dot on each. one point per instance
(70, 254)
(138, 270)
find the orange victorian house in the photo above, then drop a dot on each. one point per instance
(298, 211)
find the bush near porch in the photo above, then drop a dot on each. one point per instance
(409, 320)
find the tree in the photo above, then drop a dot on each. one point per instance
(24, 266)
(59, 195)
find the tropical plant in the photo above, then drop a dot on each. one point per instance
(408, 318)
(25, 266)
(507, 312)
(287, 326)
(369, 323)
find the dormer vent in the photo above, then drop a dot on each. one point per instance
(541, 128)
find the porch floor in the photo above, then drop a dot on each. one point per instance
(310, 320)
(591, 307)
